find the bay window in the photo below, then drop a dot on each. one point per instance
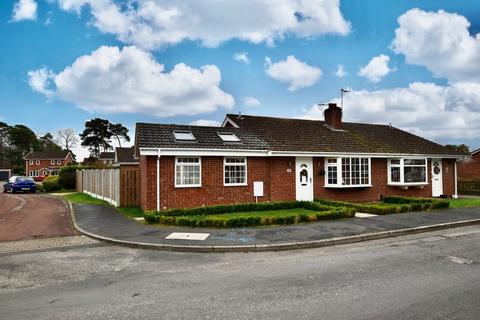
(235, 171)
(188, 172)
(347, 172)
(407, 171)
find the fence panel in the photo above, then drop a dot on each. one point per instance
(102, 184)
(129, 187)
(469, 187)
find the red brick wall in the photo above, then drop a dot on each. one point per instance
(278, 175)
(469, 169)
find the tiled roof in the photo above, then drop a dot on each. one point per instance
(46, 155)
(314, 136)
(292, 135)
(474, 152)
(107, 155)
(150, 135)
(125, 155)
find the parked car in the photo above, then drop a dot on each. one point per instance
(20, 184)
(39, 178)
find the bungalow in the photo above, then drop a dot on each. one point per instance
(469, 169)
(46, 163)
(106, 158)
(252, 158)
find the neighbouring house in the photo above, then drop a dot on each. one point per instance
(5, 171)
(125, 158)
(469, 169)
(253, 158)
(106, 158)
(46, 163)
(89, 161)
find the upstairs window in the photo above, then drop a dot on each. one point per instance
(31, 162)
(347, 172)
(407, 171)
(228, 137)
(52, 162)
(184, 135)
(235, 171)
(188, 172)
(37, 161)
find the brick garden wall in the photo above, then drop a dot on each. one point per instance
(278, 175)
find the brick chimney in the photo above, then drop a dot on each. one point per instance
(333, 116)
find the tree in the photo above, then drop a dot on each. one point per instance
(462, 148)
(4, 141)
(66, 138)
(119, 132)
(96, 136)
(47, 143)
(22, 141)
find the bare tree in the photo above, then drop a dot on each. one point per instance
(67, 138)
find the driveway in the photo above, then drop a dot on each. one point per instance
(28, 216)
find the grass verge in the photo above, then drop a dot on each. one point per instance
(78, 197)
(464, 202)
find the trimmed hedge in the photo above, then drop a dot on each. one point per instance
(226, 221)
(404, 204)
(51, 184)
(244, 207)
(67, 177)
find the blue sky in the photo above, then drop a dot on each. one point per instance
(415, 64)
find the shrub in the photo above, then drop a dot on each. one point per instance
(51, 184)
(67, 177)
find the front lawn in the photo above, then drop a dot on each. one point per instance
(464, 202)
(78, 197)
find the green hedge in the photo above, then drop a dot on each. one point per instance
(403, 204)
(51, 184)
(245, 207)
(67, 177)
(226, 221)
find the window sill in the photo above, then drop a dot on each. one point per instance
(189, 186)
(348, 187)
(419, 185)
(235, 185)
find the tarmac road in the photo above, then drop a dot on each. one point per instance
(28, 216)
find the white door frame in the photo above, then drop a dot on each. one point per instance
(304, 178)
(437, 177)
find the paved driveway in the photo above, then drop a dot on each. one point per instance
(27, 216)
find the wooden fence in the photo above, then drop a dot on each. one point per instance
(469, 187)
(119, 187)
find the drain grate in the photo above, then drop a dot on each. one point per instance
(459, 260)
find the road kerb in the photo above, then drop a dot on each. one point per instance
(275, 246)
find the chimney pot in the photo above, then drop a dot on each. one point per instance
(333, 116)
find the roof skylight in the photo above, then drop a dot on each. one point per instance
(184, 135)
(228, 137)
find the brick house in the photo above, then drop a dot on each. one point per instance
(469, 169)
(125, 158)
(106, 158)
(46, 163)
(252, 158)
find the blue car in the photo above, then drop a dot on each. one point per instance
(20, 184)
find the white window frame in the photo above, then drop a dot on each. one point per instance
(59, 161)
(31, 173)
(177, 135)
(31, 162)
(199, 164)
(52, 162)
(402, 172)
(37, 162)
(235, 164)
(340, 173)
(228, 137)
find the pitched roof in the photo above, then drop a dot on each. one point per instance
(125, 155)
(46, 155)
(148, 135)
(107, 155)
(315, 136)
(474, 152)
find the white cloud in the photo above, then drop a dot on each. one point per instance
(205, 123)
(113, 80)
(152, 24)
(441, 42)
(437, 112)
(24, 10)
(40, 81)
(376, 69)
(340, 71)
(241, 56)
(251, 102)
(293, 71)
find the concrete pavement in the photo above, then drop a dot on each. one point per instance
(108, 224)
(410, 277)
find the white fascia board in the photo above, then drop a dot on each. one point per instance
(213, 152)
(228, 120)
(149, 151)
(357, 154)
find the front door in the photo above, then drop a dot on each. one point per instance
(437, 181)
(304, 178)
